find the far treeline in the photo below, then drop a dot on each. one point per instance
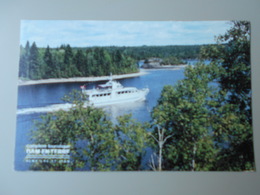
(65, 61)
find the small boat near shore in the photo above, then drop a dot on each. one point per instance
(112, 92)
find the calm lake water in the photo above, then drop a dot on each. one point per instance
(36, 100)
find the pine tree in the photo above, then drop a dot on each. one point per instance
(79, 62)
(69, 69)
(24, 61)
(49, 70)
(34, 65)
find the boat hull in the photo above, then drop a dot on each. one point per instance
(127, 98)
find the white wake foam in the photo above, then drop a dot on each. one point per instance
(50, 108)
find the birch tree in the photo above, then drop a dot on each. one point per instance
(160, 140)
(184, 111)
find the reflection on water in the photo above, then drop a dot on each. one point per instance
(134, 108)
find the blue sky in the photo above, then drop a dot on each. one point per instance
(80, 33)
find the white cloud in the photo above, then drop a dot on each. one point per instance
(128, 33)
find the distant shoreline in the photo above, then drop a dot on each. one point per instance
(80, 79)
(167, 67)
(100, 78)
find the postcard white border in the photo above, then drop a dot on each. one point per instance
(116, 183)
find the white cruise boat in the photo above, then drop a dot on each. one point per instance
(113, 92)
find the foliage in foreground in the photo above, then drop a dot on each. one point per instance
(208, 114)
(96, 144)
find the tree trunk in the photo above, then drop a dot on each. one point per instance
(161, 142)
(193, 158)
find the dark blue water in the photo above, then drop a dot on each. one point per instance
(36, 100)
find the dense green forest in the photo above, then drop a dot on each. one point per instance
(203, 123)
(63, 62)
(40, 63)
(144, 52)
